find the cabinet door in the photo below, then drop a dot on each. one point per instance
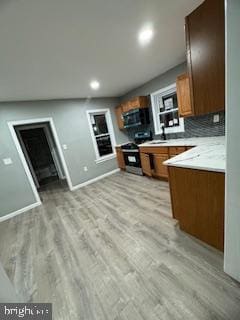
(206, 56)
(198, 203)
(139, 102)
(118, 111)
(120, 158)
(159, 168)
(126, 106)
(183, 96)
(145, 162)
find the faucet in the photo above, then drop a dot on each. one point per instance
(163, 133)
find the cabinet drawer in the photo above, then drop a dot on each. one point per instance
(176, 150)
(155, 150)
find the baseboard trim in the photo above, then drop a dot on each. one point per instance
(36, 204)
(16, 213)
(94, 179)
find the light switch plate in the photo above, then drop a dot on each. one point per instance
(7, 161)
(85, 168)
(216, 118)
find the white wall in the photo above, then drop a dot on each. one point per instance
(232, 209)
(70, 119)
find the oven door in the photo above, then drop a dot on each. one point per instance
(132, 161)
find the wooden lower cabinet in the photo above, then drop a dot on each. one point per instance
(120, 158)
(198, 203)
(160, 170)
(173, 151)
(146, 164)
(152, 159)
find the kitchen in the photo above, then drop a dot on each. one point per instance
(178, 131)
(119, 191)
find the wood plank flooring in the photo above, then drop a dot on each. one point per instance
(111, 251)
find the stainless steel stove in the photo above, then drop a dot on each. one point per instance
(132, 158)
(132, 155)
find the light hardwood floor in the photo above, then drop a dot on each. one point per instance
(111, 251)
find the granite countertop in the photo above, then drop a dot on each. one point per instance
(208, 154)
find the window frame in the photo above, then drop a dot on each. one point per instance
(156, 113)
(111, 134)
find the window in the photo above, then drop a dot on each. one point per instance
(165, 110)
(102, 134)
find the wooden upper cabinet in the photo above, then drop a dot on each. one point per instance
(206, 56)
(118, 111)
(139, 102)
(126, 106)
(183, 96)
(135, 103)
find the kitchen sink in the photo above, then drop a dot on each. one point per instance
(157, 142)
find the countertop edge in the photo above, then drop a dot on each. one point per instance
(201, 168)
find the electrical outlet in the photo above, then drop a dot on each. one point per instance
(7, 161)
(85, 168)
(216, 118)
(64, 146)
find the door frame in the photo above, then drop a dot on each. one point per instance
(24, 150)
(50, 141)
(12, 124)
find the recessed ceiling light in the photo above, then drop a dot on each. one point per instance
(145, 35)
(94, 85)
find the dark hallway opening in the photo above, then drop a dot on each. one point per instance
(39, 155)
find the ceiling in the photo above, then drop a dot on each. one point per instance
(52, 49)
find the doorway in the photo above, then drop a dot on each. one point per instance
(40, 151)
(25, 130)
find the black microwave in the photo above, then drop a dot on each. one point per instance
(136, 117)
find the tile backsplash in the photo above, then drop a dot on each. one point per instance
(197, 126)
(201, 126)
